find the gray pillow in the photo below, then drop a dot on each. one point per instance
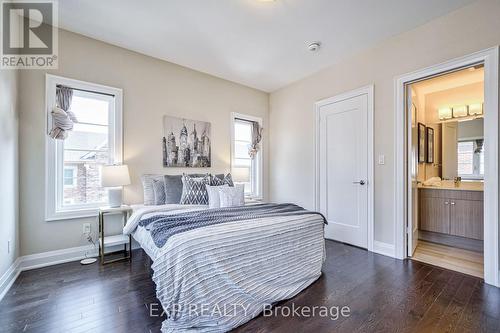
(220, 180)
(147, 186)
(173, 187)
(159, 191)
(194, 191)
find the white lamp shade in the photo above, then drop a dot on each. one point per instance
(241, 174)
(115, 175)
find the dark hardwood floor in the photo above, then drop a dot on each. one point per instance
(383, 294)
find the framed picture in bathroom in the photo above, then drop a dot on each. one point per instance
(430, 144)
(421, 143)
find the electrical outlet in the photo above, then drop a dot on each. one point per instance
(86, 228)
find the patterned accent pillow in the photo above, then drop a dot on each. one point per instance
(173, 187)
(159, 192)
(194, 191)
(232, 196)
(219, 181)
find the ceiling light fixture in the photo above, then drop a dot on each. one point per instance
(314, 46)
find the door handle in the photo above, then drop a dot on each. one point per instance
(361, 182)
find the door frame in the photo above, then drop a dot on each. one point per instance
(369, 91)
(490, 59)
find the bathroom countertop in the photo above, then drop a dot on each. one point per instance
(461, 186)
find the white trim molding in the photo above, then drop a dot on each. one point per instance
(54, 209)
(368, 90)
(490, 59)
(50, 258)
(258, 165)
(385, 249)
(9, 277)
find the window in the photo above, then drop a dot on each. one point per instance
(74, 164)
(470, 158)
(246, 170)
(70, 176)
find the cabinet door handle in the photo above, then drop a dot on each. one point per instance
(446, 203)
(453, 203)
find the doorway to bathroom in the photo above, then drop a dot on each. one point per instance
(447, 170)
(446, 204)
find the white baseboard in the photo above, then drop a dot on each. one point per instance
(8, 278)
(49, 258)
(385, 249)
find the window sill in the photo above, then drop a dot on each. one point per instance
(71, 214)
(253, 198)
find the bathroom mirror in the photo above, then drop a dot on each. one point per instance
(462, 149)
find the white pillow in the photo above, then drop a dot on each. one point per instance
(213, 195)
(232, 196)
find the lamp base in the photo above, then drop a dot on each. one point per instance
(88, 261)
(115, 197)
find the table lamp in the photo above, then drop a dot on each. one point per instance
(115, 177)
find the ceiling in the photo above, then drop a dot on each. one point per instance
(450, 81)
(258, 44)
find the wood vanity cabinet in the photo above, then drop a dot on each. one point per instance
(466, 218)
(453, 212)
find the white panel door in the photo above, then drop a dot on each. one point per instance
(343, 170)
(413, 173)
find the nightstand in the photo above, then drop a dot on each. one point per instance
(113, 240)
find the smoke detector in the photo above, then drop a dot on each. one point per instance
(314, 46)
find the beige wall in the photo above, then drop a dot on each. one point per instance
(9, 180)
(462, 32)
(151, 89)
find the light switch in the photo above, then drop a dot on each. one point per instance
(381, 159)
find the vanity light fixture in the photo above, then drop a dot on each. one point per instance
(460, 111)
(475, 109)
(445, 113)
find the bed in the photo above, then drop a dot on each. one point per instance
(217, 276)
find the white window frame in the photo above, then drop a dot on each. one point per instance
(54, 209)
(257, 163)
(476, 164)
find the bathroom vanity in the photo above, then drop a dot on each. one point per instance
(452, 214)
